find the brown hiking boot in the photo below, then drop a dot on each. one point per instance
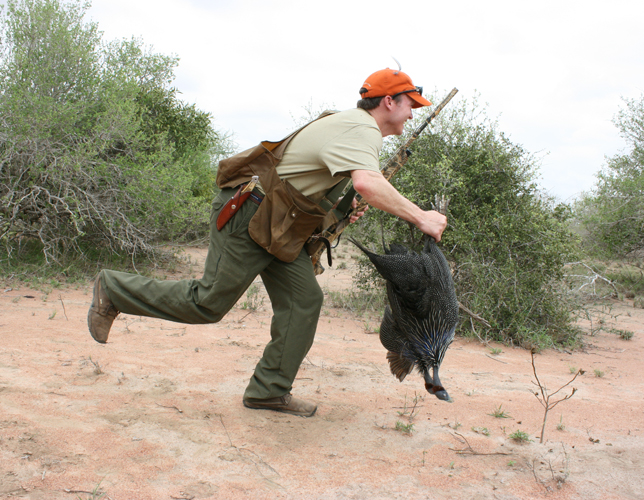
(285, 404)
(101, 314)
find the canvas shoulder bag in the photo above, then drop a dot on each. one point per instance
(286, 218)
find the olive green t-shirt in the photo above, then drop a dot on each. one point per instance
(330, 148)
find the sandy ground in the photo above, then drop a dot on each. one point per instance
(156, 413)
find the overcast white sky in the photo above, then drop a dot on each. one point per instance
(552, 72)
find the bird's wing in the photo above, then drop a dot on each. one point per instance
(408, 289)
(391, 337)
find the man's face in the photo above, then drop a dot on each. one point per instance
(401, 112)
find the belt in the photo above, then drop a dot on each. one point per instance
(233, 205)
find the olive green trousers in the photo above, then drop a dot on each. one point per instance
(234, 260)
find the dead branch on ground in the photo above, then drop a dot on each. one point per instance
(470, 451)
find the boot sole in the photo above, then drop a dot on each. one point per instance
(281, 410)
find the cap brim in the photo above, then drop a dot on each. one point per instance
(419, 100)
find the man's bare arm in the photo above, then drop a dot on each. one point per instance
(379, 193)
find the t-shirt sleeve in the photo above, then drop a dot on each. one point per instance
(356, 149)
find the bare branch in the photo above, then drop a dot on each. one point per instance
(545, 398)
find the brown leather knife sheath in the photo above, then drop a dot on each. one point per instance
(233, 205)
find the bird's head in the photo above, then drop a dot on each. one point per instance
(433, 385)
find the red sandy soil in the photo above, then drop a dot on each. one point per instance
(156, 413)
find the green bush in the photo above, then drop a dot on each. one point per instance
(507, 241)
(612, 214)
(96, 149)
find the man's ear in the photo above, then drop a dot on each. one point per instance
(387, 101)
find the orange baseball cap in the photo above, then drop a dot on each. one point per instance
(392, 82)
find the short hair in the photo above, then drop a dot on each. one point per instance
(369, 103)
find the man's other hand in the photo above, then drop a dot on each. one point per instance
(356, 215)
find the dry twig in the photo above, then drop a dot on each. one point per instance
(474, 315)
(496, 359)
(470, 451)
(590, 280)
(64, 311)
(170, 407)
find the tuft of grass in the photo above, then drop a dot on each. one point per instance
(371, 329)
(520, 437)
(599, 373)
(95, 494)
(512, 463)
(404, 428)
(98, 370)
(253, 300)
(481, 430)
(560, 425)
(358, 301)
(499, 413)
(495, 351)
(28, 265)
(628, 277)
(408, 412)
(622, 334)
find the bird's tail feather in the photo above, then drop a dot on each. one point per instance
(399, 366)
(361, 247)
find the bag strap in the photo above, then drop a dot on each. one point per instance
(330, 199)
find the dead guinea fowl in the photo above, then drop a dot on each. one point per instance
(420, 320)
